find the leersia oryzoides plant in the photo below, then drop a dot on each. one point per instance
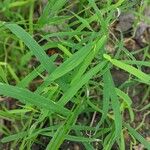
(77, 82)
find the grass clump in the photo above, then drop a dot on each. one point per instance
(58, 88)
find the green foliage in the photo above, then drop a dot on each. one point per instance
(58, 97)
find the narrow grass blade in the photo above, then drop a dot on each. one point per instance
(65, 50)
(31, 44)
(127, 101)
(25, 81)
(101, 20)
(83, 21)
(67, 66)
(132, 70)
(98, 46)
(13, 137)
(18, 136)
(51, 8)
(3, 75)
(134, 133)
(64, 34)
(18, 3)
(77, 85)
(28, 97)
(116, 110)
(63, 130)
(106, 100)
(73, 138)
(10, 69)
(140, 63)
(44, 131)
(71, 62)
(87, 145)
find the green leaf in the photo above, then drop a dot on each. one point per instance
(32, 45)
(64, 129)
(134, 133)
(116, 110)
(106, 100)
(127, 100)
(25, 81)
(28, 97)
(78, 84)
(67, 66)
(132, 70)
(51, 8)
(3, 75)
